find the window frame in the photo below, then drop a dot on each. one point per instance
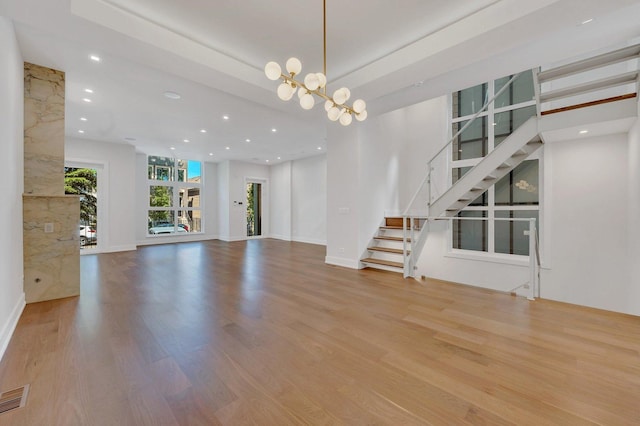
(176, 186)
(491, 208)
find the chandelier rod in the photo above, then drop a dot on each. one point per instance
(324, 41)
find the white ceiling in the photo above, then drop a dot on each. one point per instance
(391, 54)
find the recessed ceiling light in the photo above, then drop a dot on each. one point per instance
(172, 95)
(586, 21)
(225, 117)
(274, 130)
(95, 58)
(172, 148)
(87, 100)
(267, 161)
(83, 119)
(247, 140)
(185, 140)
(211, 154)
(228, 148)
(80, 131)
(582, 132)
(203, 131)
(278, 158)
(319, 148)
(88, 90)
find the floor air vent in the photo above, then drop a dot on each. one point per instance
(13, 399)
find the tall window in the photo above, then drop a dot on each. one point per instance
(514, 196)
(174, 195)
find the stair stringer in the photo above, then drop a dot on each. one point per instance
(504, 158)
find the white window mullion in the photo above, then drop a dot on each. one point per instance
(490, 118)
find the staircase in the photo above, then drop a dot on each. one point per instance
(396, 247)
(386, 250)
(511, 152)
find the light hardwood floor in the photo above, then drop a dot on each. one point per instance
(263, 332)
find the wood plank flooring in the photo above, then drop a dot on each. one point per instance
(263, 332)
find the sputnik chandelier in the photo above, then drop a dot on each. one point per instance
(316, 84)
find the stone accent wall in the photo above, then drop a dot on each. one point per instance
(51, 219)
(51, 259)
(43, 130)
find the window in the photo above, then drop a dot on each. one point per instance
(517, 195)
(174, 196)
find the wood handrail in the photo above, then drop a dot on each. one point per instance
(592, 103)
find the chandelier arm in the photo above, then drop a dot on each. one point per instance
(317, 92)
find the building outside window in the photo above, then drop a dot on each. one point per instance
(516, 195)
(175, 187)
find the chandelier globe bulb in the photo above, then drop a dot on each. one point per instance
(294, 66)
(272, 70)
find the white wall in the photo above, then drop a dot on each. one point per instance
(210, 201)
(343, 213)
(588, 207)
(374, 167)
(309, 200)
(222, 188)
(237, 172)
(118, 196)
(633, 298)
(394, 151)
(280, 175)
(11, 182)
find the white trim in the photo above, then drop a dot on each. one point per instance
(265, 206)
(168, 239)
(102, 206)
(506, 259)
(232, 239)
(114, 249)
(341, 261)
(309, 241)
(280, 237)
(10, 326)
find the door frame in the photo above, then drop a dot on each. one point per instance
(101, 169)
(264, 202)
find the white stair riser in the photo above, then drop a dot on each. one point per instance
(386, 256)
(383, 267)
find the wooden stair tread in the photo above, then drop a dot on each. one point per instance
(382, 262)
(382, 237)
(387, 250)
(399, 228)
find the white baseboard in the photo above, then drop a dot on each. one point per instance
(232, 239)
(341, 261)
(280, 237)
(310, 241)
(114, 249)
(9, 327)
(177, 239)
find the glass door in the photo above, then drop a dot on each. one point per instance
(254, 209)
(83, 181)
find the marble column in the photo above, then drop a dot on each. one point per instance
(43, 130)
(51, 219)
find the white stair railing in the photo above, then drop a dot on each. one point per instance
(435, 184)
(533, 257)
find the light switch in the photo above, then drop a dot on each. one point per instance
(48, 227)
